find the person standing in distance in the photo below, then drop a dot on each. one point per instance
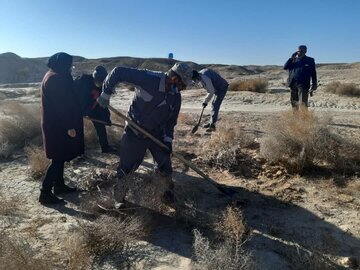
(301, 69)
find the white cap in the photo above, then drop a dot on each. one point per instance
(184, 71)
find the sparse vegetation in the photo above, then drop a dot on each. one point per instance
(8, 205)
(347, 89)
(37, 160)
(16, 253)
(19, 125)
(228, 252)
(225, 150)
(259, 85)
(299, 140)
(106, 236)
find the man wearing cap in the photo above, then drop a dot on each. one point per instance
(301, 69)
(216, 85)
(155, 108)
(88, 89)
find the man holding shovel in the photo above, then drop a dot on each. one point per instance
(88, 89)
(214, 85)
(155, 108)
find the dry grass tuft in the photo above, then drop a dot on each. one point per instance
(16, 253)
(228, 253)
(106, 236)
(19, 125)
(348, 89)
(232, 226)
(9, 205)
(37, 161)
(186, 119)
(300, 259)
(299, 140)
(259, 85)
(225, 150)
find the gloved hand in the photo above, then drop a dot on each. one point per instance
(294, 55)
(313, 87)
(104, 100)
(204, 105)
(169, 146)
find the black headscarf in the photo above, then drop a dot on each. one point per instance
(60, 62)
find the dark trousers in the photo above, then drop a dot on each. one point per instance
(54, 175)
(132, 152)
(101, 114)
(102, 135)
(299, 93)
(216, 106)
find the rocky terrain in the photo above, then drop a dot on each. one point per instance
(307, 220)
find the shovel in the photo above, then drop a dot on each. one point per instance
(227, 191)
(103, 122)
(195, 128)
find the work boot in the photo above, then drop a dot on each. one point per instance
(63, 189)
(109, 149)
(169, 194)
(47, 197)
(207, 125)
(211, 128)
(168, 197)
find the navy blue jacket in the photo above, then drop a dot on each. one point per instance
(153, 108)
(301, 70)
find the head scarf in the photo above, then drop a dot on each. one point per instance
(60, 62)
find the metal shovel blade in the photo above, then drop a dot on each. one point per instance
(198, 124)
(195, 129)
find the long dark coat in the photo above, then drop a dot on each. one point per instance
(60, 111)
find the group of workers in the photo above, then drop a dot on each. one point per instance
(155, 108)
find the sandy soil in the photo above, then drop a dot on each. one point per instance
(286, 212)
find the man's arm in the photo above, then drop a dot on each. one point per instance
(313, 75)
(137, 77)
(289, 64)
(209, 88)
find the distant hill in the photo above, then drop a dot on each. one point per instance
(15, 69)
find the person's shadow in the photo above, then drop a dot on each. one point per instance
(277, 226)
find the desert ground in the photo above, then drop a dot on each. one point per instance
(283, 218)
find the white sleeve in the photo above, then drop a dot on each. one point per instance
(209, 87)
(208, 98)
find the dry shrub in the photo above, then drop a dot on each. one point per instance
(232, 226)
(348, 89)
(106, 236)
(16, 253)
(299, 140)
(20, 124)
(185, 119)
(300, 259)
(37, 160)
(259, 85)
(9, 205)
(78, 254)
(228, 253)
(225, 150)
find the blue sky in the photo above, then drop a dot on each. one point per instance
(228, 32)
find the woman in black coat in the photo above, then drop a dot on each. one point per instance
(61, 124)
